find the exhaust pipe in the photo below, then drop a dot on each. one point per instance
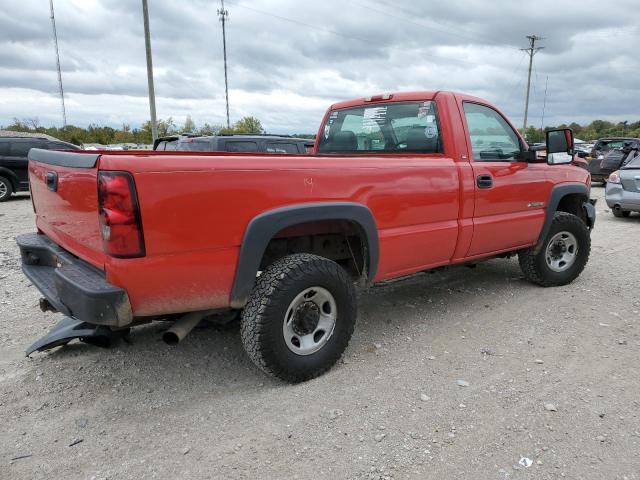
(183, 326)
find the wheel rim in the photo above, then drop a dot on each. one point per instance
(310, 320)
(3, 189)
(562, 251)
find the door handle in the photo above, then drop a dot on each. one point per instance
(484, 181)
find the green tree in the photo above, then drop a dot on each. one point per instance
(247, 125)
(208, 129)
(189, 125)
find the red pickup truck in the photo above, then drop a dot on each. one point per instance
(397, 184)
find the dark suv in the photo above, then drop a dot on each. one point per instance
(13, 161)
(235, 143)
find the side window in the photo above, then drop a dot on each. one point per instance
(492, 138)
(20, 149)
(273, 147)
(394, 127)
(56, 146)
(243, 146)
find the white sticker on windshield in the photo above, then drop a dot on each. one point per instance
(372, 117)
(430, 132)
(327, 129)
(424, 109)
(334, 114)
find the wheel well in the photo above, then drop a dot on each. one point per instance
(572, 203)
(342, 241)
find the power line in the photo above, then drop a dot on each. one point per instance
(386, 13)
(352, 37)
(223, 14)
(55, 45)
(531, 51)
(152, 94)
(544, 103)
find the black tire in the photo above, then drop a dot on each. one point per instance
(263, 317)
(620, 213)
(533, 260)
(6, 189)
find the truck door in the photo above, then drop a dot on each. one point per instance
(510, 194)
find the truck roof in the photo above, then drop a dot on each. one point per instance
(402, 97)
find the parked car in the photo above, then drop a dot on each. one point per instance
(622, 193)
(618, 157)
(236, 143)
(601, 148)
(128, 237)
(13, 161)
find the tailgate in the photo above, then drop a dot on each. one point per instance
(65, 196)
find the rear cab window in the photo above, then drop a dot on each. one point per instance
(393, 127)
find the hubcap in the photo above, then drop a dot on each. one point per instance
(562, 251)
(3, 189)
(309, 321)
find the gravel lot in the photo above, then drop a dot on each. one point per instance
(455, 374)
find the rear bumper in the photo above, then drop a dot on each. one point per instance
(616, 196)
(71, 285)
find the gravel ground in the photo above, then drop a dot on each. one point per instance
(464, 373)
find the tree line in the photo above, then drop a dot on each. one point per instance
(125, 134)
(592, 131)
(251, 125)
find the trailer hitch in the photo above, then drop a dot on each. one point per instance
(69, 329)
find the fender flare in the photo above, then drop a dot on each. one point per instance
(11, 176)
(557, 194)
(264, 227)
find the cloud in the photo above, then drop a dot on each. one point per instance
(289, 60)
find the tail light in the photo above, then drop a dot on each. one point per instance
(614, 177)
(120, 223)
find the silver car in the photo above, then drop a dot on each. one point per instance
(623, 189)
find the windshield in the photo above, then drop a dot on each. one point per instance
(382, 128)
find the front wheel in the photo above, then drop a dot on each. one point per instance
(300, 317)
(6, 189)
(562, 255)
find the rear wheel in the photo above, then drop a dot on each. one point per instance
(300, 317)
(562, 255)
(618, 212)
(6, 189)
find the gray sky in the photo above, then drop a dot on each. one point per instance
(288, 60)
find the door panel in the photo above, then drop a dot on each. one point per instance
(510, 213)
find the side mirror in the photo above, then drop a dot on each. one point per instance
(559, 146)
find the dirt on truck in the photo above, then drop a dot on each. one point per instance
(397, 184)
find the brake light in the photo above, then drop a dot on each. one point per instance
(119, 213)
(614, 177)
(377, 98)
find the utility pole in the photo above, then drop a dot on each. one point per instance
(152, 94)
(223, 14)
(55, 45)
(531, 51)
